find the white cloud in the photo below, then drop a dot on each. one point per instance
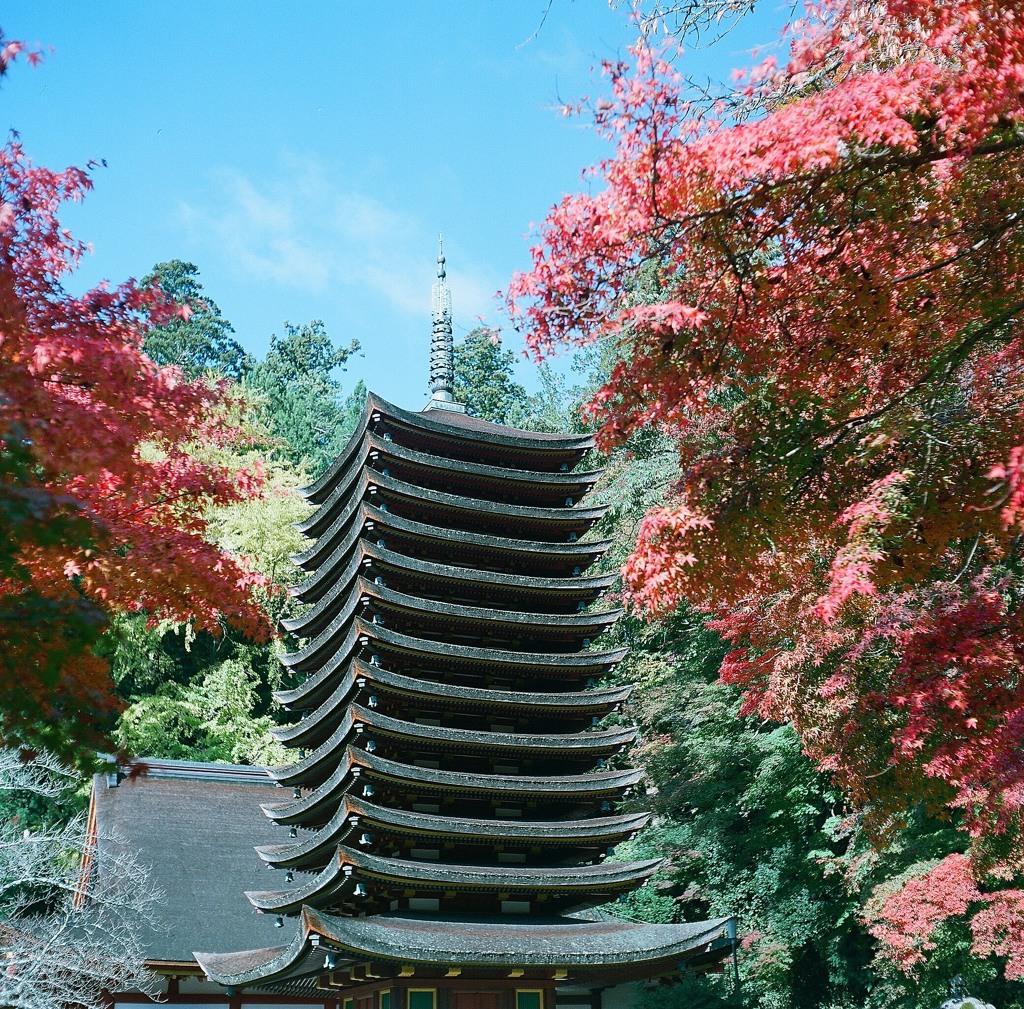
(302, 229)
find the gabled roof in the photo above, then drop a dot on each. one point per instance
(195, 825)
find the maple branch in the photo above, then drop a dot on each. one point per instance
(946, 366)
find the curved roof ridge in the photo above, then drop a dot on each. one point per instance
(466, 503)
(595, 782)
(388, 520)
(486, 942)
(498, 876)
(482, 469)
(323, 543)
(580, 585)
(584, 743)
(473, 941)
(527, 829)
(522, 831)
(293, 732)
(347, 479)
(343, 533)
(326, 837)
(454, 572)
(597, 697)
(597, 739)
(311, 616)
(466, 427)
(306, 658)
(312, 684)
(492, 541)
(341, 872)
(346, 614)
(505, 656)
(592, 697)
(311, 490)
(334, 877)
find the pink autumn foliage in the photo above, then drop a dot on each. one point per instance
(905, 922)
(815, 287)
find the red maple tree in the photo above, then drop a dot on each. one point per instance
(816, 288)
(101, 501)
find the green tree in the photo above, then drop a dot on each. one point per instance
(301, 394)
(484, 381)
(199, 341)
(748, 825)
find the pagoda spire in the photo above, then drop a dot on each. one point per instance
(442, 344)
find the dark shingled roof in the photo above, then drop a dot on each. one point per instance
(570, 942)
(574, 481)
(319, 723)
(592, 622)
(508, 744)
(350, 865)
(320, 615)
(537, 443)
(318, 651)
(310, 806)
(327, 552)
(196, 826)
(356, 814)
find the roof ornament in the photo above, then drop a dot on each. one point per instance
(442, 344)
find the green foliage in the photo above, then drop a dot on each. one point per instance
(749, 827)
(301, 395)
(214, 718)
(200, 344)
(484, 381)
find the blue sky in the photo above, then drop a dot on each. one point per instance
(305, 155)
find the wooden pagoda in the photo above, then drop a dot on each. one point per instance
(455, 790)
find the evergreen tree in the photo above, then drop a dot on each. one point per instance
(198, 341)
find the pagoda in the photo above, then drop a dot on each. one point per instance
(456, 787)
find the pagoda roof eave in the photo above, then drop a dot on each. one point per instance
(572, 514)
(569, 479)
(589, 620)
(464, 428)
(573, 943)
(592, 785)
(597, 699)
(305, 658)
(316, 490)
(351, 866)
(424, 531)
(595, 829)
(592, 698)
(359, 719)
(581, 588)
